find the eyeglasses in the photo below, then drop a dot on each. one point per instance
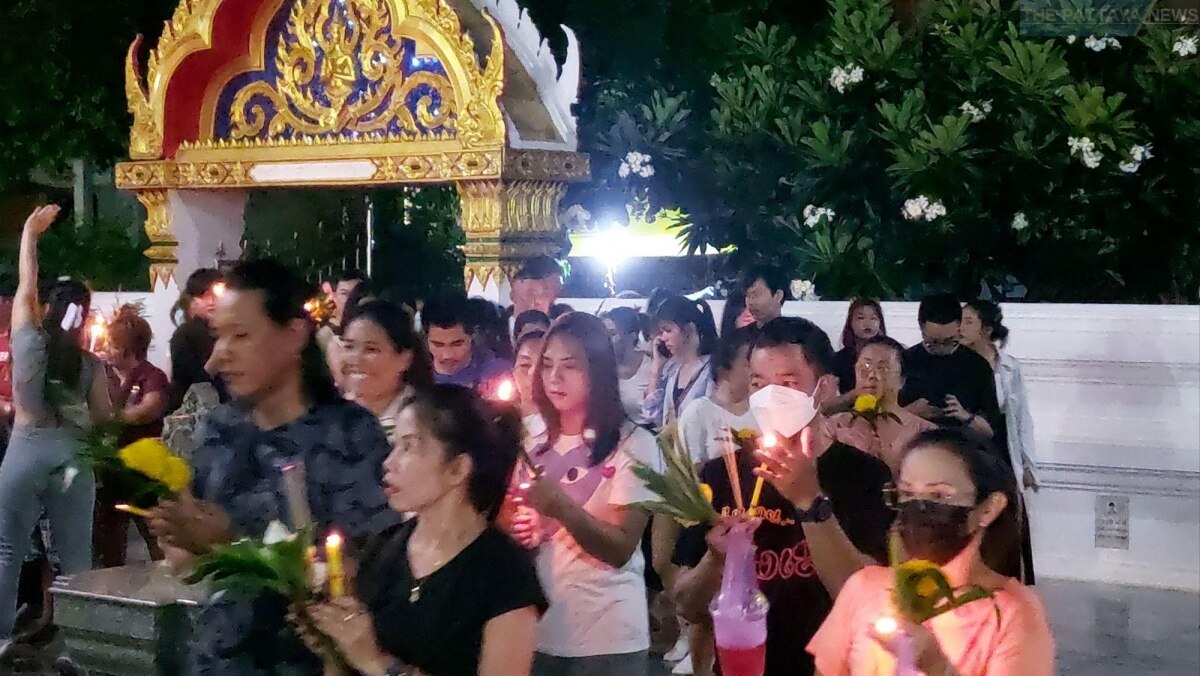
(894, 496)
(867, 368)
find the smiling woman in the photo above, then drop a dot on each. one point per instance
(384, 360)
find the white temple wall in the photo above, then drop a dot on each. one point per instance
(1115, 394)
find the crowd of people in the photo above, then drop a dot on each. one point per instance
(480, 461)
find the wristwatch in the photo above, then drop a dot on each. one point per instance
(820, 511)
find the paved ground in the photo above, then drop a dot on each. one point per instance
(1101, 630)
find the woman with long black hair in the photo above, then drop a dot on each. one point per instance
(685, 334)
(286, 415)
(385, 360)
(584, 521)
(59, 390)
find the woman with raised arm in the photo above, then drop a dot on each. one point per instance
(680, 370)
(59, 390)
(584, 522)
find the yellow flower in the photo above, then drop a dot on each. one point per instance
(177, 475)
(927, 587)
(746, 434)
(148, 456)
(707, 492)
(865, 403)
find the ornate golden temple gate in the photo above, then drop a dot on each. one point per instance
(250, 94)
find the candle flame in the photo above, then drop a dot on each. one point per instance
(334, 539)
(505, 390)
(97, 329)
(218, 289)
(769, 440)
(886, 626)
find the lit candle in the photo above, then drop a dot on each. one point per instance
(886, 626)
(767, 440)
(505, 390)
(333, 565)
(97, 334)
(218, 289)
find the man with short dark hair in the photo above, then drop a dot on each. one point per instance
(342, 289)
(803, 553)
(944, 383)
(536, 285)
(456, 358)
(765, 289)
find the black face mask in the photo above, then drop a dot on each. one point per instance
(933, 531)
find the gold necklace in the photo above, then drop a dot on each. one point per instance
(414, 594)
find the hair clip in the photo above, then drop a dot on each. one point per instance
(72, 318)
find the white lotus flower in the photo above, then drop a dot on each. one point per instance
(1129, 167)
(1186, 46)
(1019, 221)
(276, 533)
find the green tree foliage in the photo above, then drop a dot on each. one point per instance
(62, 95)
(964, 111)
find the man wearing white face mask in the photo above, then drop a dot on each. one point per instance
(803, 555)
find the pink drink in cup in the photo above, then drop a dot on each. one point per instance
(740, 610)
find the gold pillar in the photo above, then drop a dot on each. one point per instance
(162, 240)
(507, 222)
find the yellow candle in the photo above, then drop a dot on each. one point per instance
(768, 441)
(136, 511)
(333, 565)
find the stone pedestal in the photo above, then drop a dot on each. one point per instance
(129, 621)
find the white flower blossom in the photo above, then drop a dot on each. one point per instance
(977, 112)
(914, 209)
(576, 217)
(1186, 46)
(841, 77)
(1082, 144)
(813, 215)
(1019, 221)
(1129, 167)
(277, 533)
(1071, 39)
(804, 290)
(1141, 153)
(922, 208)
(636, 163)
(1100, 44)
(1091, 158)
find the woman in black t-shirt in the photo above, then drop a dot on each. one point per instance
(447, 593)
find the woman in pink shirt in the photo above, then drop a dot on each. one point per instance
(956, 506)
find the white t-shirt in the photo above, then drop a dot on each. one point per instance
(704, 429)
(633, 392)
(535, 425)
(595, 609)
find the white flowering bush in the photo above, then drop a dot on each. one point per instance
(1066, 163)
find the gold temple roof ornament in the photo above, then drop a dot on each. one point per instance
(259, 93)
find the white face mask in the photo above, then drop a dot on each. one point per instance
(782, 411)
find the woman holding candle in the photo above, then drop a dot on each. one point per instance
(58, 390)
(286, 413)
(953, 498)
(584, 494)
(385, 360)
(447, 593)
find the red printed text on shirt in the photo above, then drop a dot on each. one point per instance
(785, 564)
